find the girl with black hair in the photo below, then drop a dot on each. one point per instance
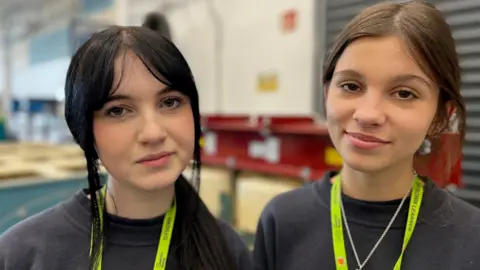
(131, 102)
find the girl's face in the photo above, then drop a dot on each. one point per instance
(144, 134)
(380, 104)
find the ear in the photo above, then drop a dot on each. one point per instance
(447, 124)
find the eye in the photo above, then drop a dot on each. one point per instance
(116, 112)
(350, 87)
(405, 95)
(171, 102)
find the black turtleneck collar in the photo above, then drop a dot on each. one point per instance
(123, 231)
(378, 214)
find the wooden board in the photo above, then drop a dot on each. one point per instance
(13, 170)
(253, 194)
(26, 160)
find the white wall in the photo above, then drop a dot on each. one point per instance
(20, 63)
(193, 33)
(255, 44)
(2, 67)
(41, 81)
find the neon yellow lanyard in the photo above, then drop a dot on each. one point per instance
(163, 243)
(337, 226)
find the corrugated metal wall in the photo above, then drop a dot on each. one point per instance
(464, 18)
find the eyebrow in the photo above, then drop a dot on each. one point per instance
(396, 79)
(116, 97)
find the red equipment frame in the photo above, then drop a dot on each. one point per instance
(294, 147)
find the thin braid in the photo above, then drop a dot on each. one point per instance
(93, 186)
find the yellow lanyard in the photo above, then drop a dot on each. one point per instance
(163, 243)
(337, 226)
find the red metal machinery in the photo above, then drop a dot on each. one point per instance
(297, 147)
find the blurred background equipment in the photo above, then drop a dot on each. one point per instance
(257, 64)
(158, 22)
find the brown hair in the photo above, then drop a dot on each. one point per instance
(429, 39)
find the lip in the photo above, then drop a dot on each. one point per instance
(365, 141)
(156, 160)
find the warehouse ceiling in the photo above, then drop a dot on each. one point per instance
(23, 18)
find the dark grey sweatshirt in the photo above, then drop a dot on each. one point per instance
(58, 239)
(294, 232)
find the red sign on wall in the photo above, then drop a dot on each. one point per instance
(289, 20)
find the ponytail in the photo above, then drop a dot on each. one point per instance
(202, 245)
(93, 186)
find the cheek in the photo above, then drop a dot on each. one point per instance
(336, 111)
(182, 132)
(109, 139)
(413, 129)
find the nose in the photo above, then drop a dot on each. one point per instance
(369, 110)
(151, 130)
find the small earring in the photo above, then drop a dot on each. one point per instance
(425, 148)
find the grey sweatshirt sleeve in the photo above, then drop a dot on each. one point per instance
(264, 248)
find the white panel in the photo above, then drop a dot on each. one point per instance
(254, 43)
(20, 55)
(2, 67)
(193, 33)
(137, 9)
(43, 81)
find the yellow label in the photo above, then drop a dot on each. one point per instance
(267, 82)
(202, 142)
(332, 158)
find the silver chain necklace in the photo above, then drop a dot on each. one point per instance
(360, 264)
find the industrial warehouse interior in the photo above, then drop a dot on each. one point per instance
(257, 66)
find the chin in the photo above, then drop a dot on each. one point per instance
(365, 163)
(156, 181)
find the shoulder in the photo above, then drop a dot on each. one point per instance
(295, 205)
(289, 218)
(33, 237)
(452, 215)
(31, 228)
(237, 246)
(464, 213)
(25, 239)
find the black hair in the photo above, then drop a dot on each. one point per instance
(198, 242)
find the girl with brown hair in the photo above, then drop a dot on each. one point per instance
(390, 81)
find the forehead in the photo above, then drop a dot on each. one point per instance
(132, 77)
(380, 56)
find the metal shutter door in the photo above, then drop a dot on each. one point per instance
(339, 13)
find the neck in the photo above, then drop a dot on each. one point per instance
(129, 202)
(390, 184)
